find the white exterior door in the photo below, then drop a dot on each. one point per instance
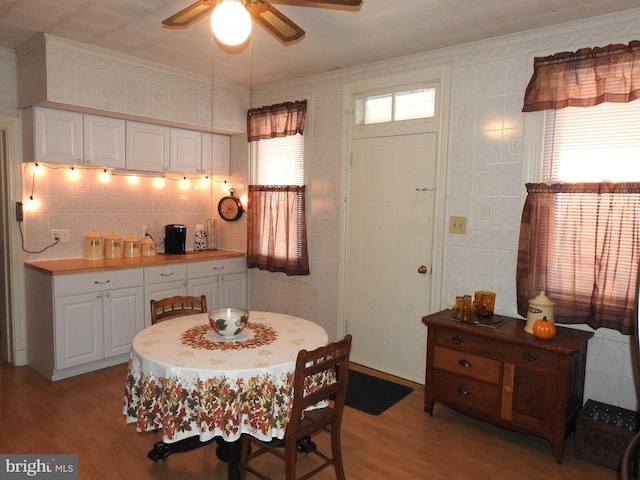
(389, 248)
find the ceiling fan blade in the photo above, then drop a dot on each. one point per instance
(275, 21)
(344, 3)
(191, 14)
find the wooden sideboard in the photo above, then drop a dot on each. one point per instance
(506, 376)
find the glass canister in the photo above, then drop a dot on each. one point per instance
(149, 247)
(212, 243)
(112, 245)
(93, 248)
(131, 246)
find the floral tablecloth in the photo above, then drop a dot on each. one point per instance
(186, 380)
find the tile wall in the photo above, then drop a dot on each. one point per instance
(487, 168)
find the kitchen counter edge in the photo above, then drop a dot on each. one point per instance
(70, 266)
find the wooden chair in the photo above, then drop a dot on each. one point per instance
(305, 422)
(176, 306)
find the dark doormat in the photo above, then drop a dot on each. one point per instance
(373, 395)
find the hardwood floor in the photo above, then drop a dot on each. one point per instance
(83, 415)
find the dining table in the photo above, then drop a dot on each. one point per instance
(195, 387)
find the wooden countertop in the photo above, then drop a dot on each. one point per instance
(79, 265)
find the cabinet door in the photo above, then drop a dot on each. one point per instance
(104, 141)
(530, 397)
(57, 136)
(216, 153)
(186, 151)
(232, 290)
(147, 146)
(78, 330)
(208, 287)
(161, 290)
(123, 318)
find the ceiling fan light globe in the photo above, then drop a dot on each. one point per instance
(230, 22)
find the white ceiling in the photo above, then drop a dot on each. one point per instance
(335, 38)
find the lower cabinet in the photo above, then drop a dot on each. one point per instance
(223, 282)
(163, 282)
(94, 326)
(506, 376)
(82, 322)
(88, 322)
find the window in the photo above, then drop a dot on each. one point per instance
(580, 228)
(594, 144)
(276, 239)
(396, 106)
(592, 221)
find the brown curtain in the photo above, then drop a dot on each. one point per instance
(584, 78)
(278, 120)
(276, 219)
(276, 229)
(579, 243)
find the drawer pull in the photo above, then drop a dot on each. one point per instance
(97, 282)
(463, 391)
(166, 274)
(529, 356)
(218, 268)
(464, 363)
(456, 339)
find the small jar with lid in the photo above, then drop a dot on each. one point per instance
(149, 247)
(131, 246)
(539, 308)
(93, 248)
(112, 245)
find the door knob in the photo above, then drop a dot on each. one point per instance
(423, 269)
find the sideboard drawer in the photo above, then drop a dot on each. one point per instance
(531, 357)
(465, 341)
(467, 364)
(465, 392)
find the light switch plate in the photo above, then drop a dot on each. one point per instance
(458, 225)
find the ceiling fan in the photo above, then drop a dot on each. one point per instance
(261, 11)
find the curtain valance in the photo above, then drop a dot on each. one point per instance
(584, 78)
(279, 120)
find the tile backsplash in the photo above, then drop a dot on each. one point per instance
(81, 200)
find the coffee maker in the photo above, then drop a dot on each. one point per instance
(175, 238)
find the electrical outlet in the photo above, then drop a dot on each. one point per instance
(61, 235)
(65, 236)
(458, 225)
(145, 229)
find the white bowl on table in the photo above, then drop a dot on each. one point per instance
(228, 322)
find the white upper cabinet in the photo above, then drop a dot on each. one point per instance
(73, 138)
(104, 139)
(147, 147)
(186, 151)
(216, 153)
(52, 136)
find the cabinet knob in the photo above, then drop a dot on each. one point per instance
(108, 294)
(463, 391)
(464, 363)
(456, 339)
(529, 356)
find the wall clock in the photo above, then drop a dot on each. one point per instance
(230, 208)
